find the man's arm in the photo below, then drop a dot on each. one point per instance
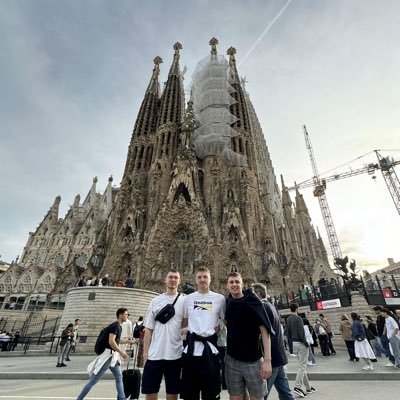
(113, 344)
(266, 368)
(184, 323)
(148, 335)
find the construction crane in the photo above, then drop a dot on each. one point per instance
(385, 165)
(319, 192)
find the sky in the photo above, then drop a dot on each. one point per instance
(73, 75)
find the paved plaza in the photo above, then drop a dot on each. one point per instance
(36, 378)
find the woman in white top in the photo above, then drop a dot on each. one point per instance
(310, 341)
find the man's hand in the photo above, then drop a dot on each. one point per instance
(124, 355)
(217, 329)
(266, 369)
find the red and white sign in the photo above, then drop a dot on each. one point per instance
(326, 304)
(391, 296)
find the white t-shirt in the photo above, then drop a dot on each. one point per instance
(203, 312)
(166, 341)
(127, 329)
(391, 325)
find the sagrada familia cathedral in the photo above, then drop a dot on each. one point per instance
(198, 189)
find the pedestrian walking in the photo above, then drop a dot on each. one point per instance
(64, 345)
(393, 335)
(345, 330)
(361, 345)
(74, 341)
(296, 333)
(110, 358)
(328, 329)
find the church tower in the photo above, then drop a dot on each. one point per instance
(199, 188)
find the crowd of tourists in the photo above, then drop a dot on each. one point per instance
(84, 281)
(9, 340)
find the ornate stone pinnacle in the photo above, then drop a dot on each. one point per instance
(158, 60)
(213, 43)
(231, 51)
(177, 46)
(95, 179)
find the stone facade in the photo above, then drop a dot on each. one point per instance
(178, 209)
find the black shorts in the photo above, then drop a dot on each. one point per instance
(197, 377)
(153, 372)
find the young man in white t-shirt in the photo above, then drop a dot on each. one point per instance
(162, 348)
(393, 335)
(202, 311)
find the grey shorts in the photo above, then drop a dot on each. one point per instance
(240, 375)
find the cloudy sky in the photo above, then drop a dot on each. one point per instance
(73, 74)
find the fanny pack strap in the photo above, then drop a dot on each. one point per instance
(176, 298)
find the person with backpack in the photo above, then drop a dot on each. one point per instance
(110, 355)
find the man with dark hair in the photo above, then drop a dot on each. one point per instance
(246, 320)
(202, 311)
(278, 353)
(162, 349)
(295, 329)
(393, 335)
(110, 358)
(380, 326)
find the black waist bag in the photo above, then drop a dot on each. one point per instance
(167, 312)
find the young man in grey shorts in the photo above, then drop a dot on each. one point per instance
(246, 319)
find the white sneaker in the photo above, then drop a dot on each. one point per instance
(389, 364)
(293, 355)
(368, 368)
(309, 363)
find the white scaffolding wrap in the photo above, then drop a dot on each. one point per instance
(211, 95)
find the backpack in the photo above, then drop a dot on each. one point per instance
(101, 342)
(138, 330)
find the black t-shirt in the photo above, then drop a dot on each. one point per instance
(244, 317)
(278, 352)
(116, 329)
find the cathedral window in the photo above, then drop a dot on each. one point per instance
(233, 267)
(182, 191)
(233, 234)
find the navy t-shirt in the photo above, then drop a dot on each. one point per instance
(244, 317)
(116, 329)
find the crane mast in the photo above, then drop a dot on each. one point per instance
(319, 192)
(392, 181)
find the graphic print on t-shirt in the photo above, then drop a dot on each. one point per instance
(203, 305)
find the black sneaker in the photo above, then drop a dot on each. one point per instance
(58, 365)
(311, 390)
(67, 359)
(63, 365)
(299, 392)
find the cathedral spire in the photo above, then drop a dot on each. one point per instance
(154, 86)
(239, 109)
(171, 108)
(175, 63)
(213, 43)
(147, 117)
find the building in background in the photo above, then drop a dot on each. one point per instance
(198, 188)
